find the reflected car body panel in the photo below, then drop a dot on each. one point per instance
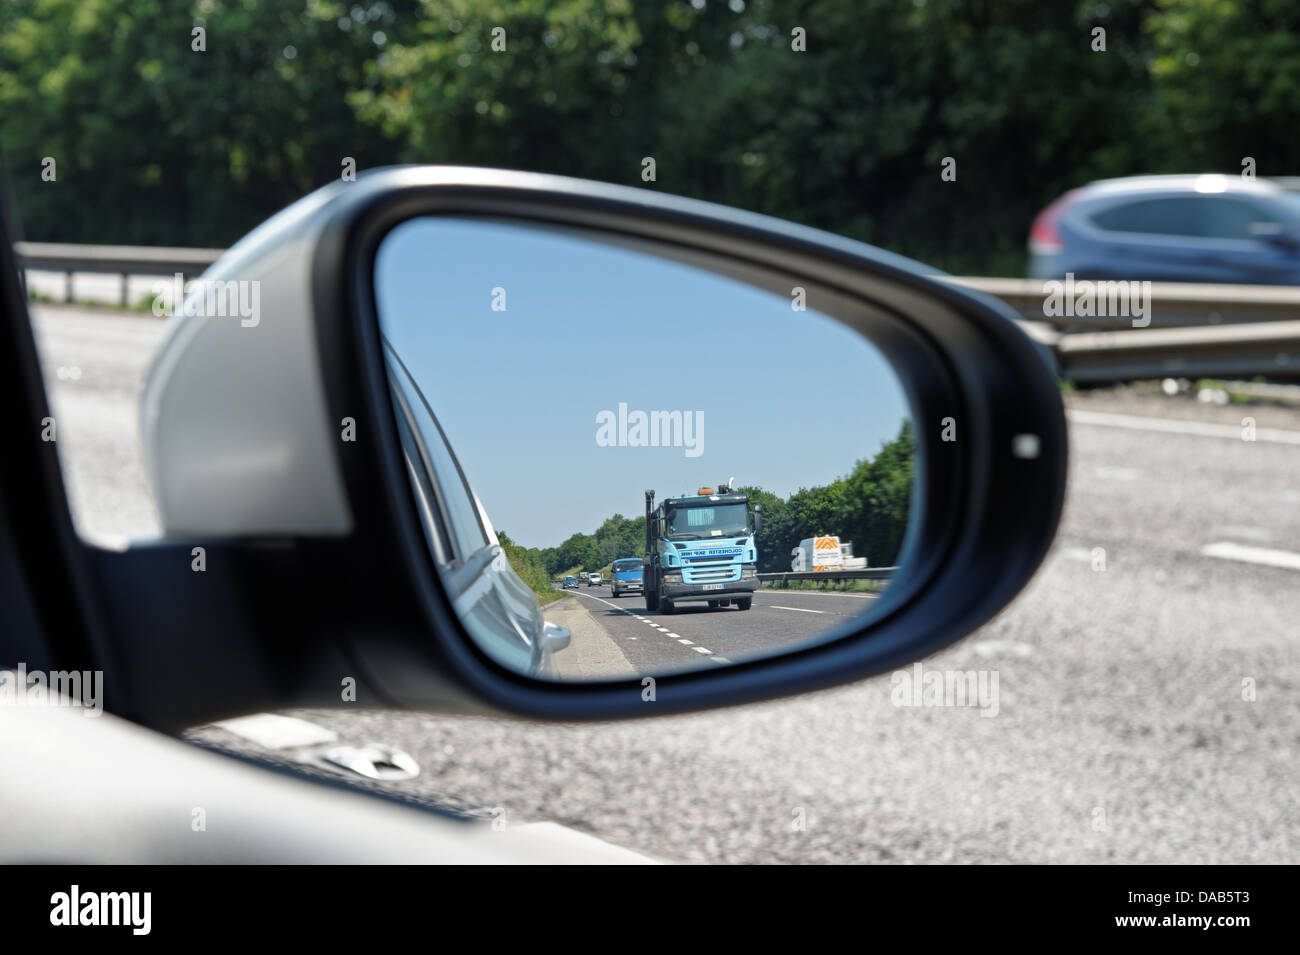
(498, 608)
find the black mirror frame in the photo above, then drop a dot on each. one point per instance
(990, 500)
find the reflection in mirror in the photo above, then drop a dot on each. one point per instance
(626, 465)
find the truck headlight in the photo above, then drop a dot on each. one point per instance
(673, 577)
(748, 570)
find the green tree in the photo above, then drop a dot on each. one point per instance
(1227, 84)
(159, 143)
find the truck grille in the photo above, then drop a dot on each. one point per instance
(700, 572)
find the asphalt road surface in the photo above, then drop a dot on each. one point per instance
(617, 637)
(1148, 705)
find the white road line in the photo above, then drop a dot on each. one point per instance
(1253, 555)
(675, 636)
(1176, 426)
(605, 602)
(663, 630)
(800, 609)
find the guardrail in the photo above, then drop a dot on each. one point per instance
(1195, 331)
(870, 573)
(1261, 348)
(1172, 304)
(123, 260)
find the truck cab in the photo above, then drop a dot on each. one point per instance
(700, 547)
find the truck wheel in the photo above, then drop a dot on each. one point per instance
(666, 607)
(713, 605)
(744, 602)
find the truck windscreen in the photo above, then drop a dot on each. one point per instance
(699, 522)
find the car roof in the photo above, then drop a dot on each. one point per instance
(1205, 184)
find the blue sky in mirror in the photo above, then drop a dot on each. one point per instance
(539, 401)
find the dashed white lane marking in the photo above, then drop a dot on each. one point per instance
(664, 630)
(1175, 426)
(800, 609)
(1252, 555)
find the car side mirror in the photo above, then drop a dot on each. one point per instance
(337, 448)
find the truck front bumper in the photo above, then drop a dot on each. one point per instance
(730, 590)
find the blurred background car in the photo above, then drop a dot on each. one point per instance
(1200, 228)
(570, 583)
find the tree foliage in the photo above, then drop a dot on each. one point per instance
(869, 507)
(158, 143)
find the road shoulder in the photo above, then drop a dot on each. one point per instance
(592, 653)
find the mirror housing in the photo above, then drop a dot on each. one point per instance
(296, 416)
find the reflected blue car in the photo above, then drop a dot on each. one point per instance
(626, 578)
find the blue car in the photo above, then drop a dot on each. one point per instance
(626, 578)
(1207, 228)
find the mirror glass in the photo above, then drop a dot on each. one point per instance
(555, 390)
